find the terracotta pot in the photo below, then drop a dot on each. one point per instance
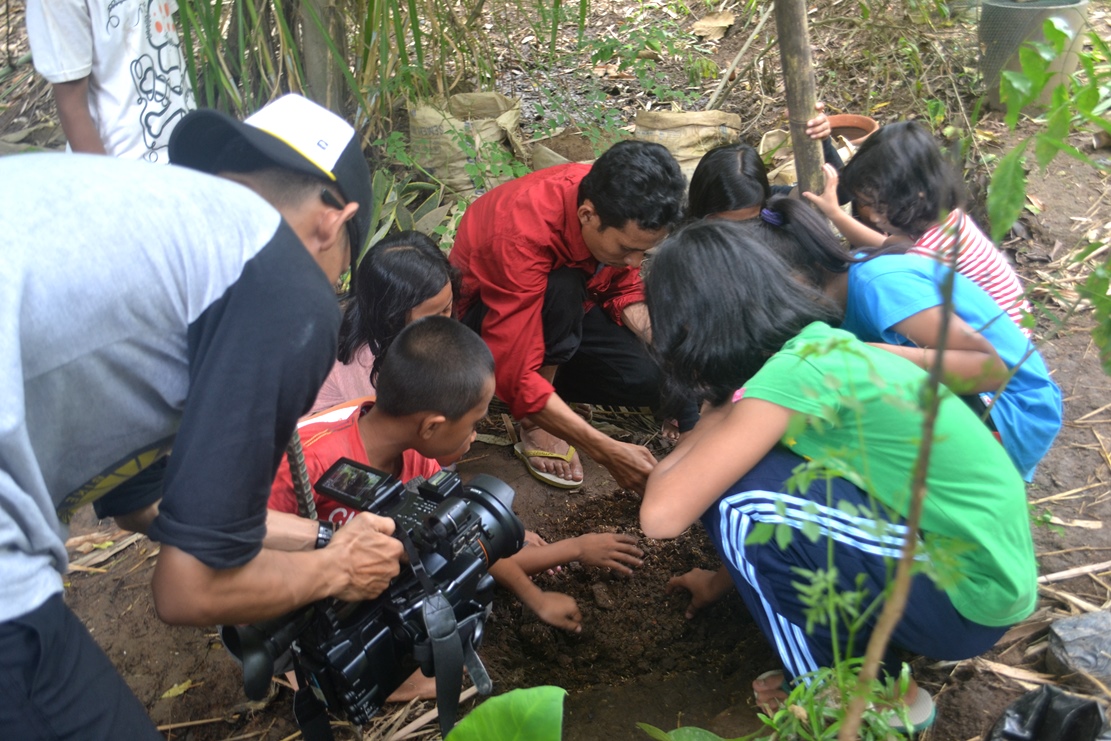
(853, 127)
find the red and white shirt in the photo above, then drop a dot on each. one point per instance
(978, 260)
(327, 437)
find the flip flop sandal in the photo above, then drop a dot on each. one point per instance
(548, 478)
(766, 707)
(921, 714)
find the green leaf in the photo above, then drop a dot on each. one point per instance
(532, 714)
(685, 733)
(652, 731)
(1007, 192)
(1057, 33)
(760, 534)
(783, 535)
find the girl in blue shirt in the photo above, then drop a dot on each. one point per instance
(897, 300)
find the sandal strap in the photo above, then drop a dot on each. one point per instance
(548, 454)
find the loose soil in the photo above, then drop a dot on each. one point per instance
(638, 659)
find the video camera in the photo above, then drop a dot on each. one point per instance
(353, 655)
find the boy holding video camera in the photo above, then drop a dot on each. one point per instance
(434, 385)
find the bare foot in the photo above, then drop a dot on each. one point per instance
(669, 430)
(535, 438)
(416, 687)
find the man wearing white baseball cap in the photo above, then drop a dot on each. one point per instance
(164, 329)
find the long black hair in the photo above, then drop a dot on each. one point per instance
(795, 231)
(396, 275)
(728, 178)
(901, 171)
(721, 303)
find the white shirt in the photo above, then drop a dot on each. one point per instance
(130, 50)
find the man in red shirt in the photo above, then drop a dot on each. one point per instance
(550, 269)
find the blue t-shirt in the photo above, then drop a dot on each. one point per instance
(886, 290)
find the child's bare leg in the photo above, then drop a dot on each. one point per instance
(416, 687)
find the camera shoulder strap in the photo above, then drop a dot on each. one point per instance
(443, 632)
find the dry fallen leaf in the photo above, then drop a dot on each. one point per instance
(179, 689)
(713, 26)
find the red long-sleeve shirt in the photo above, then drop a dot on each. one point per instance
(508, 242)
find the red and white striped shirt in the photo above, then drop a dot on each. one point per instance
(978, 260)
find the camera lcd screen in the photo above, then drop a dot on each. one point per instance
(356, 482)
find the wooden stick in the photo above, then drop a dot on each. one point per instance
(1103, 408)
(1078, 571)
(189, 724)
(798, 79)
(97, 557)
(1069, 598)
(1068, 493)
(428, 717)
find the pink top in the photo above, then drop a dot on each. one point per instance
(978, 260)
(346, 381)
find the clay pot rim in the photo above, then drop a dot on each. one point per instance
(854, 121)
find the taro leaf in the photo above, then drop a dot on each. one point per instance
(1007, 192)
(686, 733)
(177, 689)
(532, 714)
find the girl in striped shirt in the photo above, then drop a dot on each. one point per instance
(900, 182)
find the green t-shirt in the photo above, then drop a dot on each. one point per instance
(861, 404)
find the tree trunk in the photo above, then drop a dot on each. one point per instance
(323, 80)
(798, 79)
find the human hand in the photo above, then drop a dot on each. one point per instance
(368, 556)
(818, 127)
(613, 551)
(629, 464)
(533, 538)
(705, 587)
(827, 201)
(558, 610)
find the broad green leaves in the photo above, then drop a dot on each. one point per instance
(533, 714)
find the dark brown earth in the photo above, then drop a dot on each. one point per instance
(637, 658)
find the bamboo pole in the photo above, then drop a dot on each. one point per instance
(798, 79)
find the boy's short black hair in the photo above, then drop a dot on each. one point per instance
(637, 181)
(435, 365)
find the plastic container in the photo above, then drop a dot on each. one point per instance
(1005, 25)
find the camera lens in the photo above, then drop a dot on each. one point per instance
(492, 499)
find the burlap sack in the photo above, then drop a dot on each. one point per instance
(467, 142)
(688, 135)
(781, 171)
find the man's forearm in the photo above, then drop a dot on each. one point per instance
(187, 592)
(289, 532)
(635, 317)
(77, 123)
(358, 564)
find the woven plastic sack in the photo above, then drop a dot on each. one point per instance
(467, 141)
(688, 135)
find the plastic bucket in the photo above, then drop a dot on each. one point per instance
(1006, 25)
